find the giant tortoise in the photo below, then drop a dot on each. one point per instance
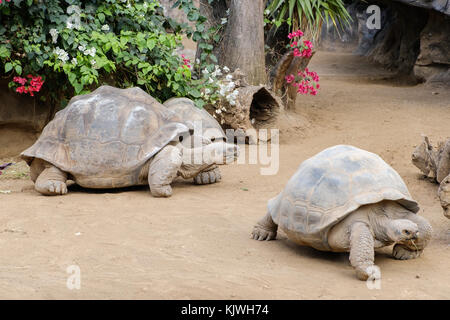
(345, 199)
(115, 138)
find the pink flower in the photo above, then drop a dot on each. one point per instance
(290, 78)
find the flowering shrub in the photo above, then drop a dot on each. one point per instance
(301, 48)
(305, 81)
(75, 46)
(29, 85)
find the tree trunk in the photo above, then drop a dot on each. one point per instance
(242, 45)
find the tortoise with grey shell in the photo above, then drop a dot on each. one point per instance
(114, 138)
(346, 199)
(201, 123)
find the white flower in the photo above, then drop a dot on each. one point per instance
(266, 12)
(224, 21)
(81, 48)
(54, 34)
(210, 80)
(228, 12)
(90, 52)
(207, 91)
(205, 71)
(229, 77)
(74, 61)
(232, 102)
(105, 27)
(74, 21)
(218, 111)
(226, 69)
(62, 55)
(230, 86)
(73, 9)
(216, 73)
(197, 61)
(145, 5)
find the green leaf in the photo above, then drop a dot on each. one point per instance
(101, 17)
(4, 52)
(151, 43)
(8, 67)
(18, 69)
(195, 93)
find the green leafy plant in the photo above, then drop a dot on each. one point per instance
(306, 14)
(77, 45)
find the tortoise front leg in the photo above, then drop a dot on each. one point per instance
(163, 169)
(265, 229)
(51, 181)
(362, 252)
(211, 175)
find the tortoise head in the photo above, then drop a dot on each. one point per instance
(422, 156)
(199, 153)
(402, 230)
(444, 195)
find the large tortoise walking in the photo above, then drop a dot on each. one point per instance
(347, 199)
(435, 162)
(115, 138)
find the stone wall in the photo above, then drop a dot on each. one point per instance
(414, 38)
(21, 120)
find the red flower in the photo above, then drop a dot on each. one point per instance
(34, 84)
(290, 78)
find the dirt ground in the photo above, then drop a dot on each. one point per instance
(196, 244)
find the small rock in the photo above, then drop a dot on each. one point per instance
(244, 189)
(417, 276)
(78, 234)
(434, 92)
(5, 191)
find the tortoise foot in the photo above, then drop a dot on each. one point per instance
(365, 273)
(208, 177)
(161, 191)
(401, 253)
(51, 187)
(260, 233)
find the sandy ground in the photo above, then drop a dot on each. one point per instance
(196, 245)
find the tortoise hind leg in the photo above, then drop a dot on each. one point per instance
(51, 181)
(265, 229)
